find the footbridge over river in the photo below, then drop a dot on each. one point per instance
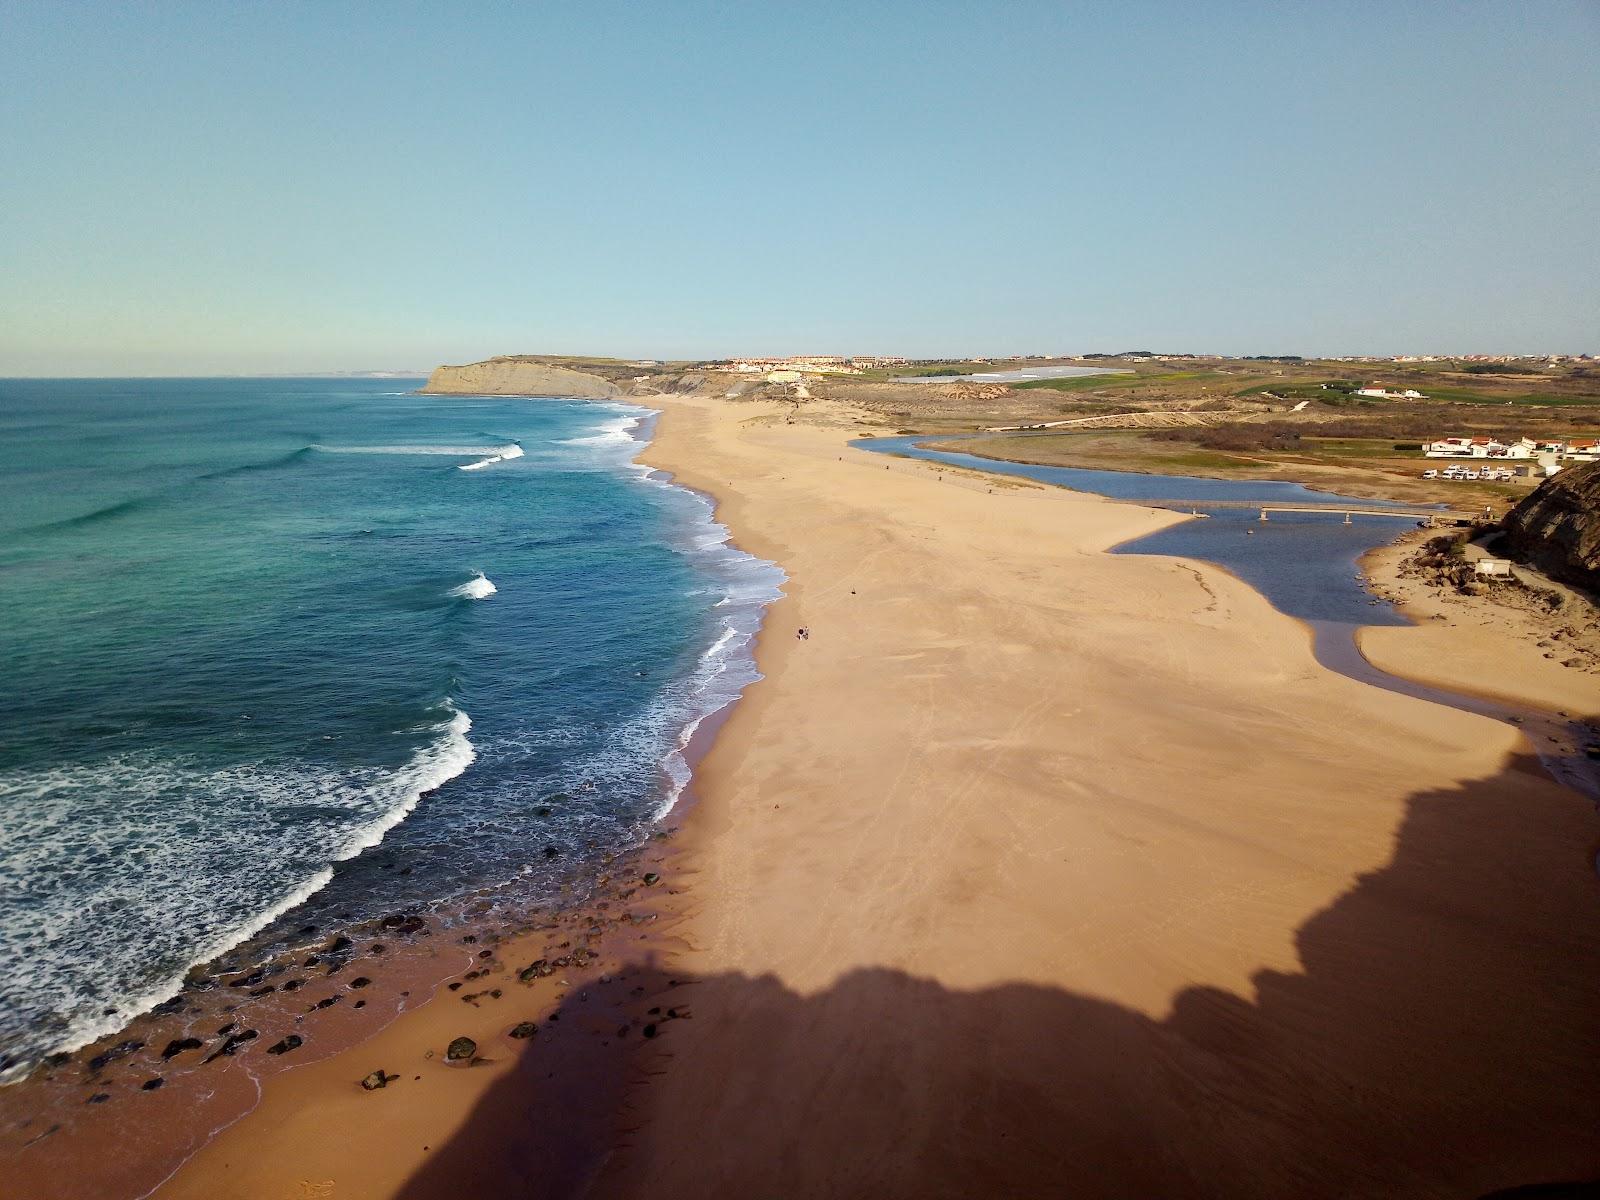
(1434, 516)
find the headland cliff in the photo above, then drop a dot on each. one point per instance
(518, 376)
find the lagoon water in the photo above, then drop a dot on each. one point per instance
(1304, 563)
(331, 650)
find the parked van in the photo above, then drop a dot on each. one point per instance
(1430, 473)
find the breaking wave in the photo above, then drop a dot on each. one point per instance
(500, 455)
(479, 587)
(618, 431)
(72, 943)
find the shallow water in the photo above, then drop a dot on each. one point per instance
(1304, 563)
(326, 650)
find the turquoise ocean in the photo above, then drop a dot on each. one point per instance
(282, 653)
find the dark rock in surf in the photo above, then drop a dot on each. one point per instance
(150, 1085)
(293, 1042)
(178, 1045)
(461, 1049)
(525, 1029)
(121, 1050)
(377, 1080)
(231, 1047)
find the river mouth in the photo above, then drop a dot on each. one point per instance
(1306, 564)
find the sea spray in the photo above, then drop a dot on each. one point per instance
(479, 587)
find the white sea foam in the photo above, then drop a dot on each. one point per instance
(208, 842)
(479, 587)
(650, 752)
(500, 455)
(615, 431)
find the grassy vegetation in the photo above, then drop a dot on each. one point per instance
(931, 371)
(1369, 467)
(1086, 383)
(1498, 369)
(1359, 447)
(1323, 391)
(1461, 396)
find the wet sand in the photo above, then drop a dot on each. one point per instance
(1479, 646)
(1034, 871)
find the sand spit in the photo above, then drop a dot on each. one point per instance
(1033, 871)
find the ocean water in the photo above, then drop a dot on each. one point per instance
(1304, 563)
(324, 650)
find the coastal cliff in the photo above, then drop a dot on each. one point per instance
(508, 376)
(1557, 528)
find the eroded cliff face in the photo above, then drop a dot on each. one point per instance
(1557, 528)
(516, 377)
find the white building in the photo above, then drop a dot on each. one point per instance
(1464, 447)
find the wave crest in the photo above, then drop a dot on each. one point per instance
(168, 913)
(479, 587)
(500, 455)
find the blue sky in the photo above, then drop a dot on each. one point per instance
(234, 188)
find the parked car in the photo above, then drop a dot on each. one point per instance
(1430, 473)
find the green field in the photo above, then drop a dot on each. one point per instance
(1533, 399)
(1087, 383)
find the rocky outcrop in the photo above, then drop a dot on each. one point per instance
(1557, 528)
(518, 377)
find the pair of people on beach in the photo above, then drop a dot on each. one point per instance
(803, 634)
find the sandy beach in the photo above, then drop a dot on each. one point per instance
(1033, 871)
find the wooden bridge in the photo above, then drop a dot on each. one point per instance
(1431, 515)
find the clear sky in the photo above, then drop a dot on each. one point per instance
(224, 188)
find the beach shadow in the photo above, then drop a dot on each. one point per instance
(1441, 1039)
